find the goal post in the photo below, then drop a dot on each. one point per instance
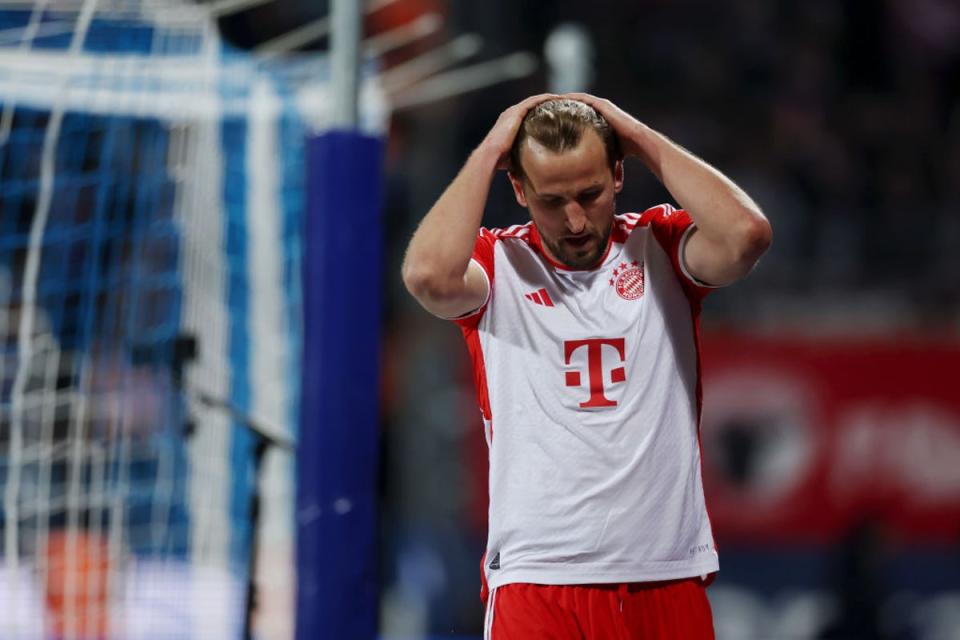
(147, 452)
(338, 453)
(338, 450)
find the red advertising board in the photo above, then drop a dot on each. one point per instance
(805, 438)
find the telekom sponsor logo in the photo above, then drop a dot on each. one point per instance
(595, 368)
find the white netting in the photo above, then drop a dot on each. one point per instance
(152, 195)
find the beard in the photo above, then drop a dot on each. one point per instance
(582, 251)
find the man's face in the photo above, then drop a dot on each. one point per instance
(570, 197)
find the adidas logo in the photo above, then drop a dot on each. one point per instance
(539, 297)
(495, 563)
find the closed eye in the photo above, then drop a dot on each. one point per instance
(589, 196)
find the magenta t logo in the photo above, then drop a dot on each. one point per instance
(595, 368)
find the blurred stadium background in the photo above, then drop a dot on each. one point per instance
(175, 203)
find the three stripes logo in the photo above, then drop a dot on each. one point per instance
(539, 297)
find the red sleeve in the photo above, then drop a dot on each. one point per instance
(482, 255)
(671, 227)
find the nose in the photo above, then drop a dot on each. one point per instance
(576, 218)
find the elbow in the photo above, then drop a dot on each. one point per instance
(756, 238)
(425, 284)
(416, 280)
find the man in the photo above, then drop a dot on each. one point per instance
(583, 329)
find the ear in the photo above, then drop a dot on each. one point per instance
(518, 193)
(618, 176)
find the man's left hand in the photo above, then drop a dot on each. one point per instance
(629, 130)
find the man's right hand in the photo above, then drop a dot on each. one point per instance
(437, 269)
(500, 138)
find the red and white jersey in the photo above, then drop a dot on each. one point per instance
(589, 386)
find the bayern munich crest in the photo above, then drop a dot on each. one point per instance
(628, 280)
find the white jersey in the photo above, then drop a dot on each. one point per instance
(589, 385)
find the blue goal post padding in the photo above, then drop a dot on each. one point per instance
(338, 442)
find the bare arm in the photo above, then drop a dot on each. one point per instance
(731, 232)
(437, 269)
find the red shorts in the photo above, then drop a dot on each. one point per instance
(673, 609)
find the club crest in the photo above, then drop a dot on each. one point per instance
(628, 280)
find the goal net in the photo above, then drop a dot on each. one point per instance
(152, 199)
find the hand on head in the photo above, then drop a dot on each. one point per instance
(500, 138)
(623, 124)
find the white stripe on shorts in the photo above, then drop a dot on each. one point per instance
(488, 618)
